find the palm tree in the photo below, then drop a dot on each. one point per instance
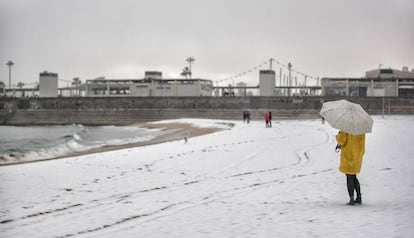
(186, 72)
(76, 82)
(20, 85)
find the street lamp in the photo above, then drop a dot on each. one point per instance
(10, 64)
(290, 77)
(190, 60)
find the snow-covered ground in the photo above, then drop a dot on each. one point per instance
(247, 181)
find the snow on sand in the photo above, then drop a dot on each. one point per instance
(245, 181)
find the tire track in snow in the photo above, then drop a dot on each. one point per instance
(113, 198)
(173, 208)
(188, 204)
(48, 212)
(302, 155)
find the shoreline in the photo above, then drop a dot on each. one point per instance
(173, 132)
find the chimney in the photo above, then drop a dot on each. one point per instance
(405, 69)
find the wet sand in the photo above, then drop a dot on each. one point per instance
(171, 132)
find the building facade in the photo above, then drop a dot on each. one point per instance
(376, 83)
(148, 87)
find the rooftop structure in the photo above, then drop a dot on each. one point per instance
(153, 75)
(267, 82)
(48, 84)
(390, 73)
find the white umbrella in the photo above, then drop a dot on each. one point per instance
(347, 116)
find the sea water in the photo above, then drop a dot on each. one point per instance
(24, 143)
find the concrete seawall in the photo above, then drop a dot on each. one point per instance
(129, 110)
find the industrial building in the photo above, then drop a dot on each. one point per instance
(376, 83)
(152, 85)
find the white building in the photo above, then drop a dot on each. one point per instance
(377, 83)
(152, 85)
(267, 82)
(48, 84)
(241, 89)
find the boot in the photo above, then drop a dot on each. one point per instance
(351, 202)
(358, 199)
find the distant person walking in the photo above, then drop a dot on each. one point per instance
(267, 119)
(270, 119)
(352, 151)
(248, 116)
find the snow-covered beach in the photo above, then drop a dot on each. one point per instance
(243, 181)
(26, 144)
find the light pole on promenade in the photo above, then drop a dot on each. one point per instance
(10, 64)
(290, 78)
(190, 60)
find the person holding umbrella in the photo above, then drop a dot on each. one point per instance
(352, 151)
(353, 122)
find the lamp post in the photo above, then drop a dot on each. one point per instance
(190, 60)
(290, 78)
(10, 64)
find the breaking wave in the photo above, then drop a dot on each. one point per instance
(20, 144)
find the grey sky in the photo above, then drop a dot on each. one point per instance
(124, 38)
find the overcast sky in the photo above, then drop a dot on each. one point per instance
(124, 38)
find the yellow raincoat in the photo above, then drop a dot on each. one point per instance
(352, 150)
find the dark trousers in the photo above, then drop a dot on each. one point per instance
(353, 184)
